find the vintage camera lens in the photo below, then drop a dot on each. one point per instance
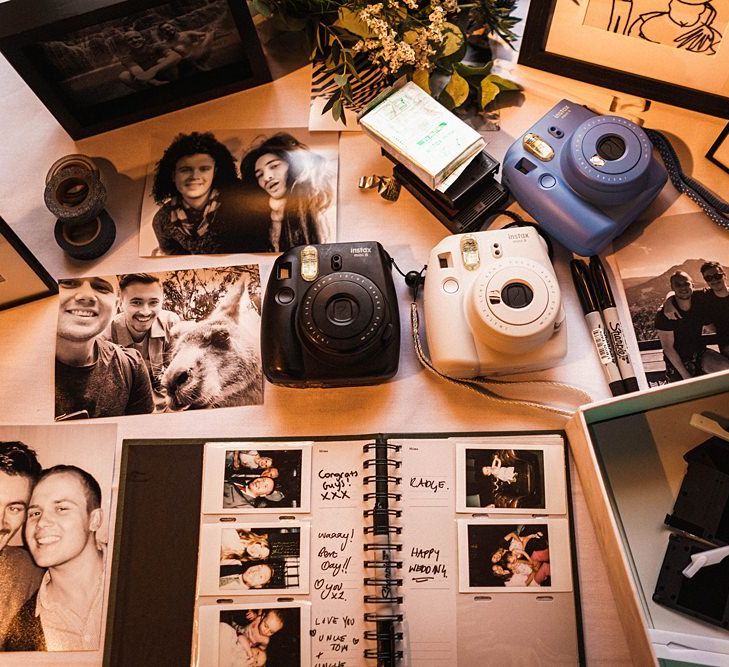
(517, 295)
(611, 147)
(341, 312)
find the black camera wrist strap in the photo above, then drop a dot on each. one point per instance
(715, 207)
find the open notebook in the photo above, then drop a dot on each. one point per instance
(410, 550)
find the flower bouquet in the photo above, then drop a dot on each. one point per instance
(442, 45)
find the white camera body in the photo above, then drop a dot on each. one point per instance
(493, 304)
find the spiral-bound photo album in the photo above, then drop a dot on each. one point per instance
(363, 550)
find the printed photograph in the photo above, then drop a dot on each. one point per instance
(505, 478)
(238, 191)
(236, 559)
(260, 478)
(696, 26)
(140, 343)
(55, 497)
(519, 555)
(260, 636)
(169, 43)
(674, 274)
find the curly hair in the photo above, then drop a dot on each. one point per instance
(309, 191)
(184, 145)
(16, 458)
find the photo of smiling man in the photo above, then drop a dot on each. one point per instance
(95, 377)
(64, 513)
(237, 191)
(145, 326)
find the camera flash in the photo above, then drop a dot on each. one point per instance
(538, 147)
(309, 263)
(469, 250)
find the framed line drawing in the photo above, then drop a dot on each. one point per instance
(719, 151)
(22, 276)
(98, 65)
(655, 49)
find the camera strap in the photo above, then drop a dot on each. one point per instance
(715, 207)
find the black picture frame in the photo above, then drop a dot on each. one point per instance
(533, 53)
(16, 258)
(72, 54)
(720, 150)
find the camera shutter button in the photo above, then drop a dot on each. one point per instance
(450, 286)
(547, 181)
(285, 296)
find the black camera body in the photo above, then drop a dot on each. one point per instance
(330, 317)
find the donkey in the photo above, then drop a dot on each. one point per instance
(216, 362)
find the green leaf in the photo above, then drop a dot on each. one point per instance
(330, 103)
(503, 84)
(457, 89)
(471, 72)
(489, 91)
(337, 110)
(454, 39)
(348, 20)
(341, 80)
(261, 7)
(422, 78)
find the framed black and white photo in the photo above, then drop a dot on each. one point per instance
(667, 51)
(514, 555)
(22, 277)
(254, 558)
(511, 476)
(256, 478)
(719, 151)
(173, 341)
(270, 633)
(100, 65)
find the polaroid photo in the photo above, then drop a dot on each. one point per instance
(507, 476)
(254, 558)
(508, 555)
(256, 478)
(242, 635)
(56, 484)
(674, 278)
(139, 343)
(239, 191)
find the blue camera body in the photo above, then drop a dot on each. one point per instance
(583, 177)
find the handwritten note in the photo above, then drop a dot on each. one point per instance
(427, 474)
(336, 640)
(337, 484)
(426, 565)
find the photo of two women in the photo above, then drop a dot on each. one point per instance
(239, 191)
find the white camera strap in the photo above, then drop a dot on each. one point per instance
(481, 384)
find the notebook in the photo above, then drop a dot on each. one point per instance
(360, 550)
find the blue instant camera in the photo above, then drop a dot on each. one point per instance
(583, 177)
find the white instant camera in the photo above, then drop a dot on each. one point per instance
(493, 304)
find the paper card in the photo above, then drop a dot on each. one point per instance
(338, 475)
(430, 628)
(253, 558)
(429, 556)
(511, 476)
(427, 473)
(256, 478)
(261, 633)
(514, 555)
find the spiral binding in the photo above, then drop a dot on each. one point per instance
(385, 635)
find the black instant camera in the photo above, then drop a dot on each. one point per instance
(330, 317)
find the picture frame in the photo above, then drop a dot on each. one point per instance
(102, 64)
(571, 38)
(22, 277)
(719, 151)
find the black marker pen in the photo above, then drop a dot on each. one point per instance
(581, 279)
(613, 325)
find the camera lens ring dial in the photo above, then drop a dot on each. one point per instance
(514, 330)
(341, 312)
(593, 174)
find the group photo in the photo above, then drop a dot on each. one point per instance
(140, 343)
(678, 296)
(239, 191)
(55, 507)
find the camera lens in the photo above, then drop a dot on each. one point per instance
(611, 147)
(517, 295)
(341, 312)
